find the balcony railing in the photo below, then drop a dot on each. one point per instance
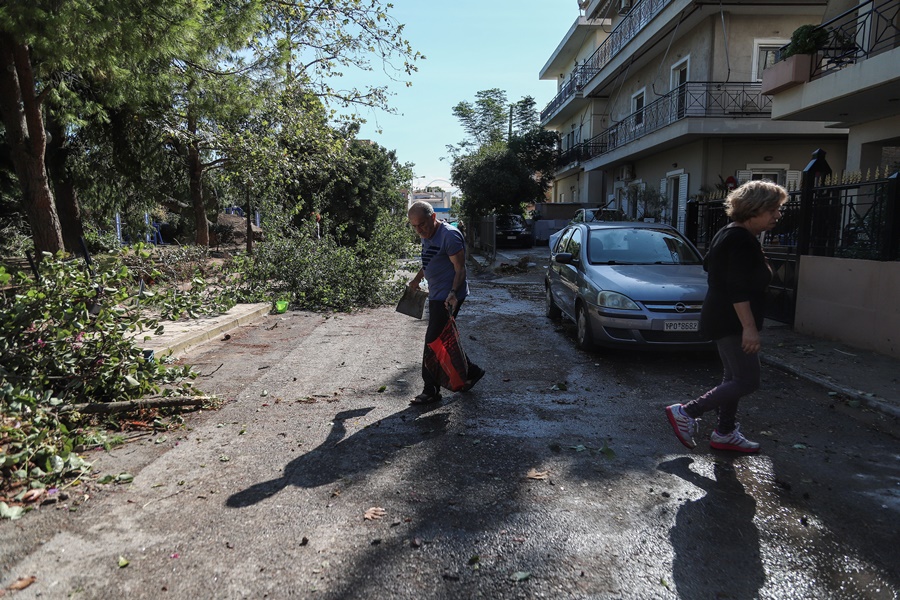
(865, 30)
(690, 100)
(638, 18)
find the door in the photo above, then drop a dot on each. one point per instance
(557, 289)
(679, 81)
(569, 274)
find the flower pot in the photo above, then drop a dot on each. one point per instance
(785, 74)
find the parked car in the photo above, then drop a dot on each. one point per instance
(512, 230)
(590, 215)
(626, 284)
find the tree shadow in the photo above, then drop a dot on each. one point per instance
(339, 456)
(715, 541)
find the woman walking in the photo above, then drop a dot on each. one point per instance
(733, 313)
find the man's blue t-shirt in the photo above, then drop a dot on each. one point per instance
(439, 272)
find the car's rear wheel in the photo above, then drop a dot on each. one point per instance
(552, 311)
(584, 339)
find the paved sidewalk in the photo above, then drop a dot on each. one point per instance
(180, 336)
(871, 378)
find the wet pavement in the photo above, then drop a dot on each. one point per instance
(556, 477)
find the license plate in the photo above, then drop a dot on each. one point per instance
(681, 326)
(510, 237)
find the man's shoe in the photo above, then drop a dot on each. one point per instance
(471, 381)
(734, 441)
(426, 397)
(685, 427)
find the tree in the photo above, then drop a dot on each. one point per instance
(513, 158)
(371, 185)
(46, 48)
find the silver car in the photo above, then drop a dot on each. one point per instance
(625, 284)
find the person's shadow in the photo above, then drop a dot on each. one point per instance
(715, 541)
(340, 456)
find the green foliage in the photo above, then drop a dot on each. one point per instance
(316, 272)
(510, 160)
(806, 39)
(69, 337)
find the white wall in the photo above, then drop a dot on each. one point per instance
(852, 301)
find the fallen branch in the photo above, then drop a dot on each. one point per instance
(106, 408)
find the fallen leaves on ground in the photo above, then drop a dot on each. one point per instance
(376, 512)
(535, 474)
(21, 583)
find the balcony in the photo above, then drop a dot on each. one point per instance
(853, 77)
(692, 100)
(632, 24)
(864, 31)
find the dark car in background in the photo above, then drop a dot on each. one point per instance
(627, 285)
(512, 230)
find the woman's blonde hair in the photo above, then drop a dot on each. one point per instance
(753, 198)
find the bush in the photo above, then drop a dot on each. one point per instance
(316, 272)
(68, 337)
(806, 39)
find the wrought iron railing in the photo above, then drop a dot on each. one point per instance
(848, 218)
(689, 100)
(866, 30)
(637, 18)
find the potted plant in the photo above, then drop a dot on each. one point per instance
(795, 65)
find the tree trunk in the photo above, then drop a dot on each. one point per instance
(195, 166)
(249, 225)
(64, 187)
(21, 111)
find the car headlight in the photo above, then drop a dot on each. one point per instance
(616, 300)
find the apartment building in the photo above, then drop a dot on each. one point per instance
(852, 81)
(660, 101)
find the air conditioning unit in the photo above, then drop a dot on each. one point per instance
(624, 6)
(626, 172)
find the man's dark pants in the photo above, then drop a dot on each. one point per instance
(438, 315)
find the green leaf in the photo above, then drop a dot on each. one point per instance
(123, 562)
(520, 576)
(10, 512)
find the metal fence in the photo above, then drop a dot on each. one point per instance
(852, 216)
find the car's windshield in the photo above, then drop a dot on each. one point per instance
(510, 221)
(624, 245)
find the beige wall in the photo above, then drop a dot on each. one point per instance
(853, 301)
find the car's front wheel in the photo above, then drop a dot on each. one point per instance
(584, 339)
(552, 311)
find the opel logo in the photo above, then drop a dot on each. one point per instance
(680, 307)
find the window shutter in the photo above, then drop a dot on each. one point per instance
(743, 176)
(682, 200)
(792, 180)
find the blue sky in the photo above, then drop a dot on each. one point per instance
(469, 45)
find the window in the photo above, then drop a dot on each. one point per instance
(637, 108)
(679, 79)
(764, 56)
(573, 246)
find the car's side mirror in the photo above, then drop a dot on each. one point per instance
(565, 258)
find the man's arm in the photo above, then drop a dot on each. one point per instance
(459, 266)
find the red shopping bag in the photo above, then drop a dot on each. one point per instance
(445, 358)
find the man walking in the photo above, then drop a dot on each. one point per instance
(444, 267)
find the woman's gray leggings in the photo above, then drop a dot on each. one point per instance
(741, 377)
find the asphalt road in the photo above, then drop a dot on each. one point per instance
(556, 477)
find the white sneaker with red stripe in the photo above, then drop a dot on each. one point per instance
(734, 441)
(684, 426)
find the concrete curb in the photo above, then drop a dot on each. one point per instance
(864, 399)
(190, 334)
